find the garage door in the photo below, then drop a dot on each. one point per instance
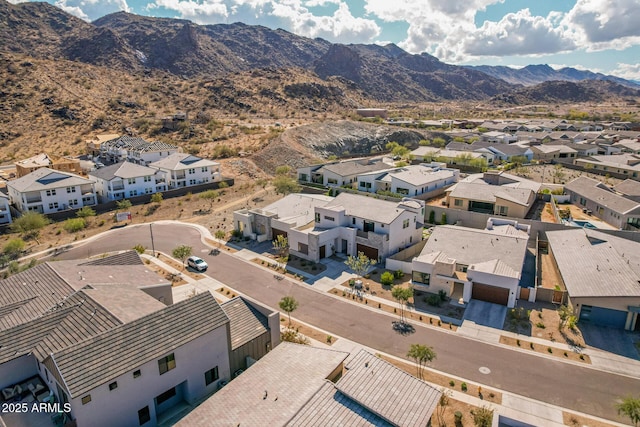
(603, 316)
(371, 253)
(275, 232)
(490, 293)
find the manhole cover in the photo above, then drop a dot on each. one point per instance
(484, 370)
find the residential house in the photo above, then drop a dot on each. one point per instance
(612, 207)
(126, 179)
(601, 273)
(496, 137)
(631, 146)
(5, 211)
(350, 223)
(622, 164)
(342, 173)
(628, 188)
(469, 263)
(550, 152)
(494, 193)
(297, 385)
(185, 170)
(47, 191)
(93, 145)
(44, 160)
(502, 152)
(420, 181)
(136, 150)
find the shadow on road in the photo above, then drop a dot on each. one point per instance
(403, 328)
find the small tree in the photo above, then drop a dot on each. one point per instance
(222, 186)
(29, 225)
(386, 278)
(630, 406)
(220, 234)
(482, 417)
(73, 225)
(285, 185)
(85, 212)
(281, 246)
(211, 196)
(565, 312)
(443, 219)
(14, 248)
(182, 252)
(402, 295)
(432, 217)
(123, 204)
(156, 198)
(422, 354)
(443, 402)
(139, 248)
(288, 304)
(360, 264)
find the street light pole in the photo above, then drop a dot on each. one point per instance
(153, 248)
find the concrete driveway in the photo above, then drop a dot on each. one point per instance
(609, 339)
(485, 313)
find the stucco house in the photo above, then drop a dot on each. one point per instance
(549, 152)
(420, 181)
(601, 273)
(469, 263)
(47, 191)
(185, 170)
(5, 211)
(624, 164)
(126, 179)
(341, 173)
(135, 149)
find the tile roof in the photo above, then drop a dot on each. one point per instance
(595, 264)
(628, 187)
(368, 208)
(246, 323)
(45, 178)
(122, 258)
(271, 391)
(352, 168)
(599, 193)
(123, 170)
(70, 322)
(180, 161)
(489, 193)
(91, 363)
(123, 301)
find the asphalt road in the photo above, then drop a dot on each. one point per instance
(579, 388)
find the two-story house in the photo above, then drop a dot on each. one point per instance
(5, 211)
(126, 179)
(46, 191)
(185, 170)
(420, 181)
(135, 149)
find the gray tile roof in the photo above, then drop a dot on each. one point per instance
(271, 391)
(349, 168)
(122, 258)
(124, 302)
(595, 264)
(70, 322)
(598, 193)
(180, 161)
(420, 175)
(329, 407)
(246, 323)
(91, 363)
(123, 170)
(29, 294)
(489, 193)
(45, 178)
(125, 141)
(368, 208)
(629, 187)
(473, 246)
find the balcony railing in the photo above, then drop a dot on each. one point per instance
(34, 199)
(116, 187)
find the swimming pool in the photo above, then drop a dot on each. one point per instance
(583, 224)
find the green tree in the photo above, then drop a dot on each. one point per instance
(123, 204)
(182, 252)
(402, 295)
(443, 219)
(284, 185)
(139, 248)
(439, 142)
(220, 235)
(13, 248)
(211, 196)
(386, 278)
(360, 264)
(630, 407)
(443, 402)
(482, 417)
(85, 212)
(281, 247)
(222, 186)
(422, 354)
(432, 217)
(29, 225)
(565, 312)
(156, 198)
(288, 304)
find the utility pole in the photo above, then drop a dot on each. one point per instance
(153, 248)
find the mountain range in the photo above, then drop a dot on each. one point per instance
(138, 44)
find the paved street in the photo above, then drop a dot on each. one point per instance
(577, 387)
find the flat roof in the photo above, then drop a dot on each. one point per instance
(596, 264)
(296, 209)
(489, 193)
(369, 208)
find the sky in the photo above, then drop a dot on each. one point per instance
(598, 35)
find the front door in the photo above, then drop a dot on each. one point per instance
(344, 246)
(323, 251)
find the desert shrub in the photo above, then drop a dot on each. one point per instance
(386, 278)
(434, 300)
(73, 225)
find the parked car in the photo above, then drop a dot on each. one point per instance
(197, 263)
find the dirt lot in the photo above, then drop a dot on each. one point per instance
(555, 174)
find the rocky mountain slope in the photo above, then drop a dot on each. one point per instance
(567, 92)
(536, 74)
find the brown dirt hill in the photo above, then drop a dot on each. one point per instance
(566, 92)
(312, 143)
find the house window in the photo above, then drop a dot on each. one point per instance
(192, 182)
(113, 386)
(369, 226)
(73, 202)
(362, 184)
(204, 169)
(147, 179)
(329, 218)
(148, 190)
(332, 181)
(144, 415)
(405, 223)
(53, 205)
(457, 202)
(317, 217)
(211, 375)
(353, 221)
(133, 193)
(163, 397)
(136, 373)
(502, 210)
(191, 171)
(51, 192)
(421, 278)
(86, 399)
(166, 363)
(403, 191)
(71, 189)
(583, 202)
(131, 181)
(462, 267)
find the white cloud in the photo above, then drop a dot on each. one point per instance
(92, 9)
(291, 15)
(627, 71)
(605, 24)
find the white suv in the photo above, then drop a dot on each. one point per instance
(197, 263)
